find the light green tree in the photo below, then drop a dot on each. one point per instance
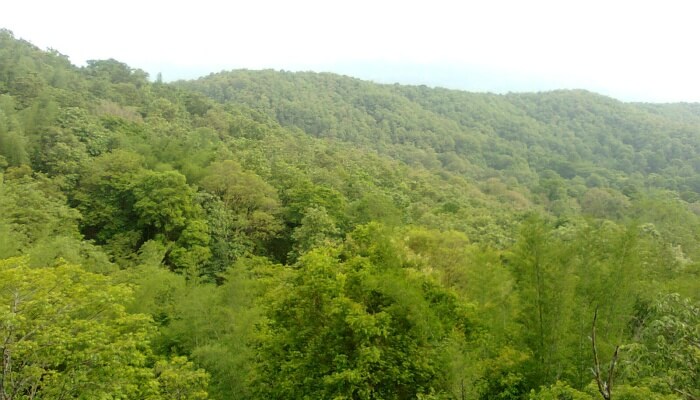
(546, 284)
(666, 356)
(357, 325)
(317, 229)
(253, 204)
(65, 333)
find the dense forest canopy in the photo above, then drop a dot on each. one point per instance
(265, 234)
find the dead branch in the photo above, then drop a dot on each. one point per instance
(604, 385)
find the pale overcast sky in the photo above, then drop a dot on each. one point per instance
(632, 50)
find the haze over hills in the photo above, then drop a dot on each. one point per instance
(458, 77)
(629, 51)
(471, 78)
(265, 234)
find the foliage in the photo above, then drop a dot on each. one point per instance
(356, 329)
(66, 334)
(303, 234)
(559, 391)
(667, 354)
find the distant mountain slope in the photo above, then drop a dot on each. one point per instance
(574, 133)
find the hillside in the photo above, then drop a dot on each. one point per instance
(263, 234)
(574, 133)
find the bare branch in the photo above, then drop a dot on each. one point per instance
(596, 367)
(604, 386)
(613, 362)
(686, 394)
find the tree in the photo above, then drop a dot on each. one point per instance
(163, 202)
(375, 206)
(13, 145)
(546, 283)
(253, 202)
(116, 72)
(178, 380)
(559, 391)
(35, 220)
(604, 203)
(125, 206)
(317, 229)
(59, 153)
(104, 196)
(166, 211)
(359, 328)
(214, 324)
(666, 354)
(65, 333)
(612, 265)
(604, 382)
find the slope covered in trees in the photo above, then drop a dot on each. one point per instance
(262, 234)
(573, 133)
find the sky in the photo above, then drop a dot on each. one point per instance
(631, 50)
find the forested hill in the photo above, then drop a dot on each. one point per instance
(573, 133)
(264, 235)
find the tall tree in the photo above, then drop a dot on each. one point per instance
(359, 328)
(546, 285)
(65, 333)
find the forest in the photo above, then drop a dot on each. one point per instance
(297, 235)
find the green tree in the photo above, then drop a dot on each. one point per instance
(178, 380)
(126, 206)
(35, 220)
(360, 328)
(65, 333)
(13, 144)
(317, 229)
(104, 196)
(666, 355)
(166, 211)
(546, 284)
(253, 202)
(559, 391)
(604, 203)
(612, 264)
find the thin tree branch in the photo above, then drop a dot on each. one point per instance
(604, 386)
(596, 366)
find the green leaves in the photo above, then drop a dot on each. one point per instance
(355, 328)
(396, 210)
(125, 206)
(178, 380)
(65, 333)
(666, 355)
(253, 204)
(162, 201)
